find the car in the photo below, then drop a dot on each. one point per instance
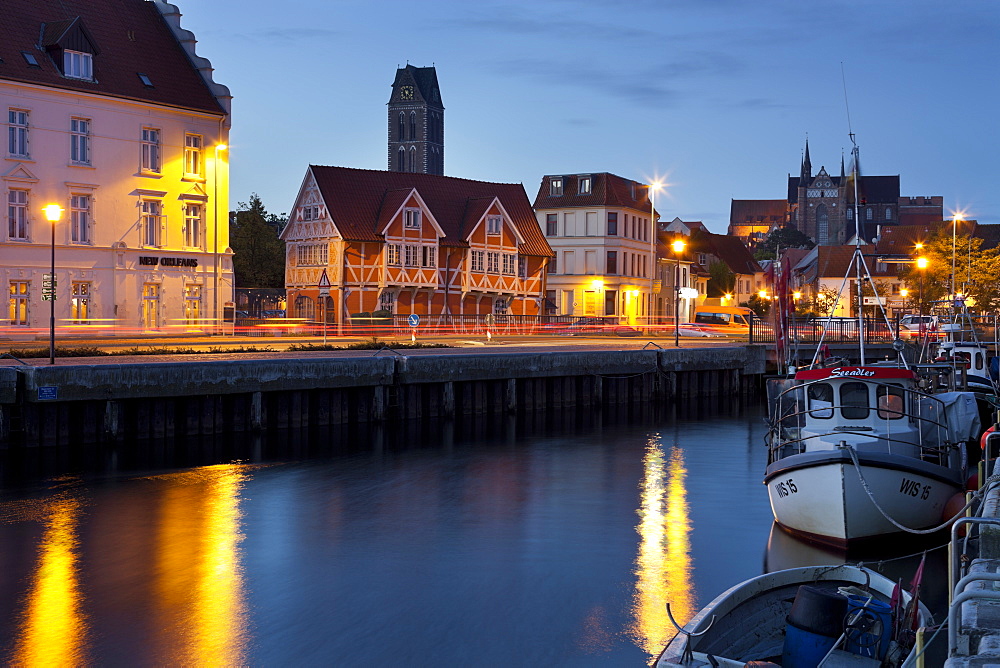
(696, 330)
(273, 313)
(595, 326)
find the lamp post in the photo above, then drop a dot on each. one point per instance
(921, 265)
(216, 319)
(678, 248)
(52, 213)
(653, 187)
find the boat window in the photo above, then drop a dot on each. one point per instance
(890, 402)
(854, 401)
(979, 361)
(821, 400)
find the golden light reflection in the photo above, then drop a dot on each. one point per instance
(200, 596)
(53, 629)
(663, 566)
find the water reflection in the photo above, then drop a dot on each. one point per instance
(198, 582)
(53, 630)
(663, 566)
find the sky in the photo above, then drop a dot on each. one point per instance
(714, 97)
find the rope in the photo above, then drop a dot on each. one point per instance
(868, 491)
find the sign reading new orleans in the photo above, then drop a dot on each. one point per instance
(168, 261)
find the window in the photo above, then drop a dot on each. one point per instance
(79, 219)
(401, 130)
(869, 213)
(30, 59)
(850, 214)
(501, 304)
(553, 265)
(492, 263)
(401, 160)
(310, 213)
(192, 305)
(551, 224)
(612, 267)
(192, 155)
(151, 305)
(429, 258)
(412, 160)
(820, 396)
(854, 401)
(150, 150)
(79, 304)
(314, 255)
(192, 225)
(144, 79)
(17, 215)
(392, 254)
(891, 402)
(477, 260)
(78, 65)
(610, 300)
(17, 133)
(555, 187)
(150, 223)
(413, 125)
(522, 266)
(888, 213)
(411, 219)
(584, 185)
(387, 301)
(493, 224)
(612, 223)
(410, 255)
(18, 307)
(509, 260)
(79, 141)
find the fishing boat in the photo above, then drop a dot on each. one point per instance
(843, 615)
(858, 451)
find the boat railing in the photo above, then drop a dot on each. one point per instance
(961, 576)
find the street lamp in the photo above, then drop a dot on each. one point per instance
(921, 265)
(653, 187)
(678, 248)
(217, 321)
(52, 213)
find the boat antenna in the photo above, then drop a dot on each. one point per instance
(857, 259)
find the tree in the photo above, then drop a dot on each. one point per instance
(258, 253)
(721, 280)
(977, 272)
(781, 238)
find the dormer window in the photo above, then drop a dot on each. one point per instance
(556, 187)
(78, 65)
(584, 185)
(493, 224)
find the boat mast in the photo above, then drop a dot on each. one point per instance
(858, 260)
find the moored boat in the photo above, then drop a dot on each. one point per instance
(797, 617)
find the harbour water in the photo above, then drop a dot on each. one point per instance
(549, 540)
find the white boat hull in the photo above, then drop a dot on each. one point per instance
(819, 495)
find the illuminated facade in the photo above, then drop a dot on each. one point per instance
(408, 243)
(599, 227)
(125, 130)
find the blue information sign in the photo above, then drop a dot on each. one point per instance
(414, 320)
(48, 393)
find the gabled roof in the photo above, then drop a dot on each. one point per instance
(730, 250)
(359, 199)
(830, 261)
(605, 190)
(872, 189)
(901, 239)
(132, 35)
(757, 211)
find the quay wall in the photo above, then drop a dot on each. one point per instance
(93, 403)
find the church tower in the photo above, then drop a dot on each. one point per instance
(416, 122)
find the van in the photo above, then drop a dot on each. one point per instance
(726, 319)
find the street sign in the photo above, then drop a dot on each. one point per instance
(871, 301)
(413, 319)
(324, 285)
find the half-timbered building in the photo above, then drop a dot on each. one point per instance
(410, 243)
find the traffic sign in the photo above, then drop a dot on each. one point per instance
(324, 281)
(413, 319)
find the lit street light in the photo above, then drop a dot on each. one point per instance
(921, 265)
(653, 187)
(216, 318)
(52, 213)
(678, 248)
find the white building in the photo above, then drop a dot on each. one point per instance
(111, 115)
(599, 226)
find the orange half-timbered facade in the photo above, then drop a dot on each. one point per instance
(435, 246)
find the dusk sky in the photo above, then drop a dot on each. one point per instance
(716, 97)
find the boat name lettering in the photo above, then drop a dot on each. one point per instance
(913, 488)
(786, 487)
(851, 372)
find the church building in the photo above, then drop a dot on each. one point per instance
(416, 122)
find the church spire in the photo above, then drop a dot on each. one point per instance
(806, 166)
(842, 167)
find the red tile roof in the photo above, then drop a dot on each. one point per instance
(129, 36)
(358, 199)
(757, 211)
(605, 190)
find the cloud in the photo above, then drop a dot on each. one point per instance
(292, 34)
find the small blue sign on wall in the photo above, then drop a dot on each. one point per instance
(48, 393)
(414, 320)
